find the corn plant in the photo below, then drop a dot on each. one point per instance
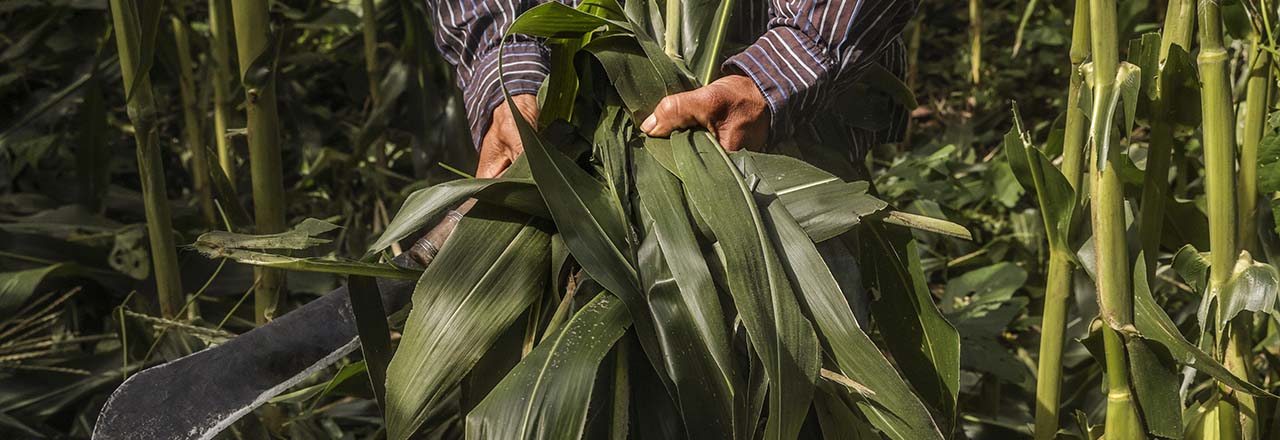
(1158, 86)
(1059, 210)
(690, 278)
(191, 127)
(135, 27)
(221, 36)
(257, 72)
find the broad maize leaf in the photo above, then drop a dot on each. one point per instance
(923, 343)
(546, 396)
(1153, 324)
(488, 272)
(589, 217)
(764, 298)
(824, 205)
(1153, 374)
(892, 408)
(557, 20)
(427, 204)
(685, 304)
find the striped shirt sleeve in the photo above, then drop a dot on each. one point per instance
(468, 34)
(814, 49)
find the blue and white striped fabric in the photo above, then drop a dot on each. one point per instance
(807, 53)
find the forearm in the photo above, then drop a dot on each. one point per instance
(815, 49)
(469, 35)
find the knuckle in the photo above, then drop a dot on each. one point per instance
(668, 106)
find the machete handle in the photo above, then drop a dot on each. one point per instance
(426, 248)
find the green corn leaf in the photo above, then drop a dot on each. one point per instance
(493, 266)
(707, 39)
(1154, 325)
(556, 20)
(589, 218)
(893, 408)
(546, 396)
(764, 298)
(633, 73)
(1153, 374)
(1056, 198)
(1193, 267)
(878, 78)
(923, 343)
(685, 304)
(375, 337)
(427, 204)
(836, 418)
(824, 205)
(1179, 80)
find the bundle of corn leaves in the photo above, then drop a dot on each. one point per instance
(612, 284)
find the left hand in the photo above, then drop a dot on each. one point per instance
(731, 108)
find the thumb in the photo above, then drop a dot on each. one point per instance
(681, 110)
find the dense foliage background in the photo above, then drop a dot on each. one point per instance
(75, 317)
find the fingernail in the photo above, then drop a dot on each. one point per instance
(648, 124)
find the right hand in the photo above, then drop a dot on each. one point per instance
(501, 144)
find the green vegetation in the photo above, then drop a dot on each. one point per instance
(1092, 264)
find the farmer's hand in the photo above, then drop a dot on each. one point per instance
(501, 144)
(731, 108)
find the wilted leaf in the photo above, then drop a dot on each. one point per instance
(129, 253)
(303, 236)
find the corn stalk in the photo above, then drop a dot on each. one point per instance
(191, 121)
(254, 47)
(1178, 26)
(1109, 224)
(132, 44)
(1058, 286)
(975, 40)
(1234, 410)
(1257, 106)
(369, 32)
(221, 34)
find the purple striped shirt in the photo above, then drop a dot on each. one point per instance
(810, 51)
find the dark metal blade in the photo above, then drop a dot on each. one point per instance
(199, 395)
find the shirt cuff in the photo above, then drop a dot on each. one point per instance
(788, 67)
(524, 68)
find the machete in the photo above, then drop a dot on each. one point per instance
(201, 394)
